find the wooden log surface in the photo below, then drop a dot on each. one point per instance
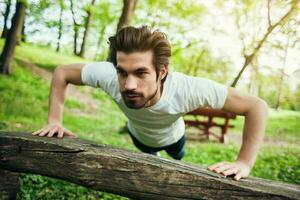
(9, 185)
(130, 174)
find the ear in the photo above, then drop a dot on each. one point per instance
(163, 72)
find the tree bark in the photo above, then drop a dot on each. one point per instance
(23, 34)
(135, 175)
(12, 38)
(75, 28)
(6, 15)
(86, 31)
(249, 58)
(127, 13)
(22, 38)
(9, 185)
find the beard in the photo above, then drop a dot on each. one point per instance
(136, 100)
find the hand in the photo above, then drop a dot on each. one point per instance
(238, 168)
(50, 129)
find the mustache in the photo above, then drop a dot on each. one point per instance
(131, 92)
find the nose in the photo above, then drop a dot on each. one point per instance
(130, 83)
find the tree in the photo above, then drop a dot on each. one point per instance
(105, 21)
(61, 5)
(23, 34)
(6, 14)
(87, 29)
(12, 37)
(271, 27)
(127, 13)
(75, 28)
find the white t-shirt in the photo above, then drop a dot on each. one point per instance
(162, 123)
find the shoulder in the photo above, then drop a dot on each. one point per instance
(193, 92)
(103, 67)
(186, 83)
(98, 74)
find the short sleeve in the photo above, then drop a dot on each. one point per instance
(101, 75)
(201, 92)
(96, 74)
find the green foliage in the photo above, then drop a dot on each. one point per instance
(73, 103)
(201, 63)
(23, 98)
(282, 124)
(43, 56)
(39, 187)
(281, 164)
(25, 2)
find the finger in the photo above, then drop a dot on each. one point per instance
(36, 132)
(230, 171)
(215, 166)
(44, 132)
(52, 132)
(222, 168)
(238, 176)
(60, 133)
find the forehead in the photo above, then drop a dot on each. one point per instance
(135, 60)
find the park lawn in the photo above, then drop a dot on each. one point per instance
(23, 107)
(42, 56)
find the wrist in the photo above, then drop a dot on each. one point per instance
(54, 121)
(245, 162)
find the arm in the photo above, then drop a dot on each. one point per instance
(62, 76)
(255, 111)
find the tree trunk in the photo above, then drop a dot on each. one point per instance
(6, 15)
(249, 58)
(23, 35)
(22, 38)
(100, 39)
(127, 13)
(12, 38)
(135, 175)
(87, 29)
(75, 28)
(59, 28)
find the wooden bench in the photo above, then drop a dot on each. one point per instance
(205, 125)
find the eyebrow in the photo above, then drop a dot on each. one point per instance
(142, 68)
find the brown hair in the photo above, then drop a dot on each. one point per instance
(130, 39)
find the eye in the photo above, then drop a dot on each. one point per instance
(141, 73)
(121, 73)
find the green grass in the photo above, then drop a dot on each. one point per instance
(43, 56)
(24, 105)
(281, 124)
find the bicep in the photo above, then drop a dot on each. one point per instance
(70, 73)
(239, 103)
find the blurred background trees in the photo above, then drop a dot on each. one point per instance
(252, 45)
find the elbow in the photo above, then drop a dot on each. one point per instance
(260, 107)
(257, 105)
(59, 73)
(264, 107)
(59, 70)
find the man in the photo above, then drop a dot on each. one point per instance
(154, 99)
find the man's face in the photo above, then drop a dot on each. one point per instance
(138, 81)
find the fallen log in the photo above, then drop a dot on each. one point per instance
(9, 185)
(130, 174)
